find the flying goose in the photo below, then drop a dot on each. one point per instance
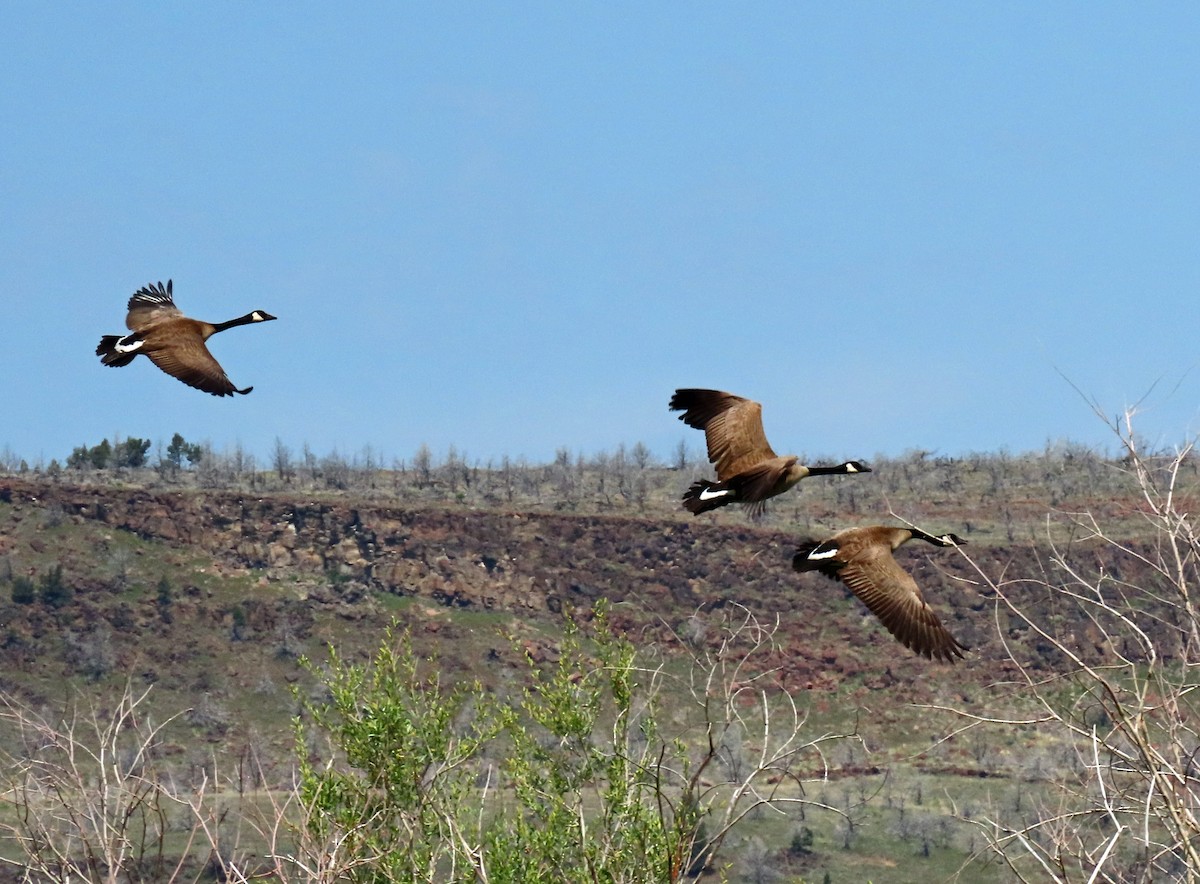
(173, 342)
(748, 470)
(861, 558)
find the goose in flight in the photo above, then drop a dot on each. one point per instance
(749, 471)
(861, 558)
(172, 341)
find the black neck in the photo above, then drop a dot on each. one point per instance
(826, 471)
(928, 538)
(241, 320)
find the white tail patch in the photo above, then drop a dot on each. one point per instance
(122, 347)
(707, 494)
(823, 554)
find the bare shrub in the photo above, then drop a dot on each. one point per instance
(1108, 672)
(91, 800)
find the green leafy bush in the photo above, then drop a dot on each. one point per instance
(571, 779)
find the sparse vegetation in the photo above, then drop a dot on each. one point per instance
(1061, 746)
(180, 450)
(23, 591)
(124, 454)
(52, 591)
(90, 798)
(1116, 718)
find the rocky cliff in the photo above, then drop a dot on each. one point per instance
(326, 553)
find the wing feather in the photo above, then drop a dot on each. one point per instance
(894, 597)
(150, 305)
(732, 425)
(189, 361)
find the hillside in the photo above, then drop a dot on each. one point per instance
(251, 569)
(212, 595)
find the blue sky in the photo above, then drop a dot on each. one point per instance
(512, 228)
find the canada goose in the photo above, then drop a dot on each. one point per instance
(173, 342)
(861, 558)
(748, 470)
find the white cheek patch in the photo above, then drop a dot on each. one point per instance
(823, 554)
(706, 494)
(258, 317)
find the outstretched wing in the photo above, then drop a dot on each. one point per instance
(150, 305)
(894, 597)
(190, 361)
(732, 426)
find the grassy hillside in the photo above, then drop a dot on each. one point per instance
(210, 587)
